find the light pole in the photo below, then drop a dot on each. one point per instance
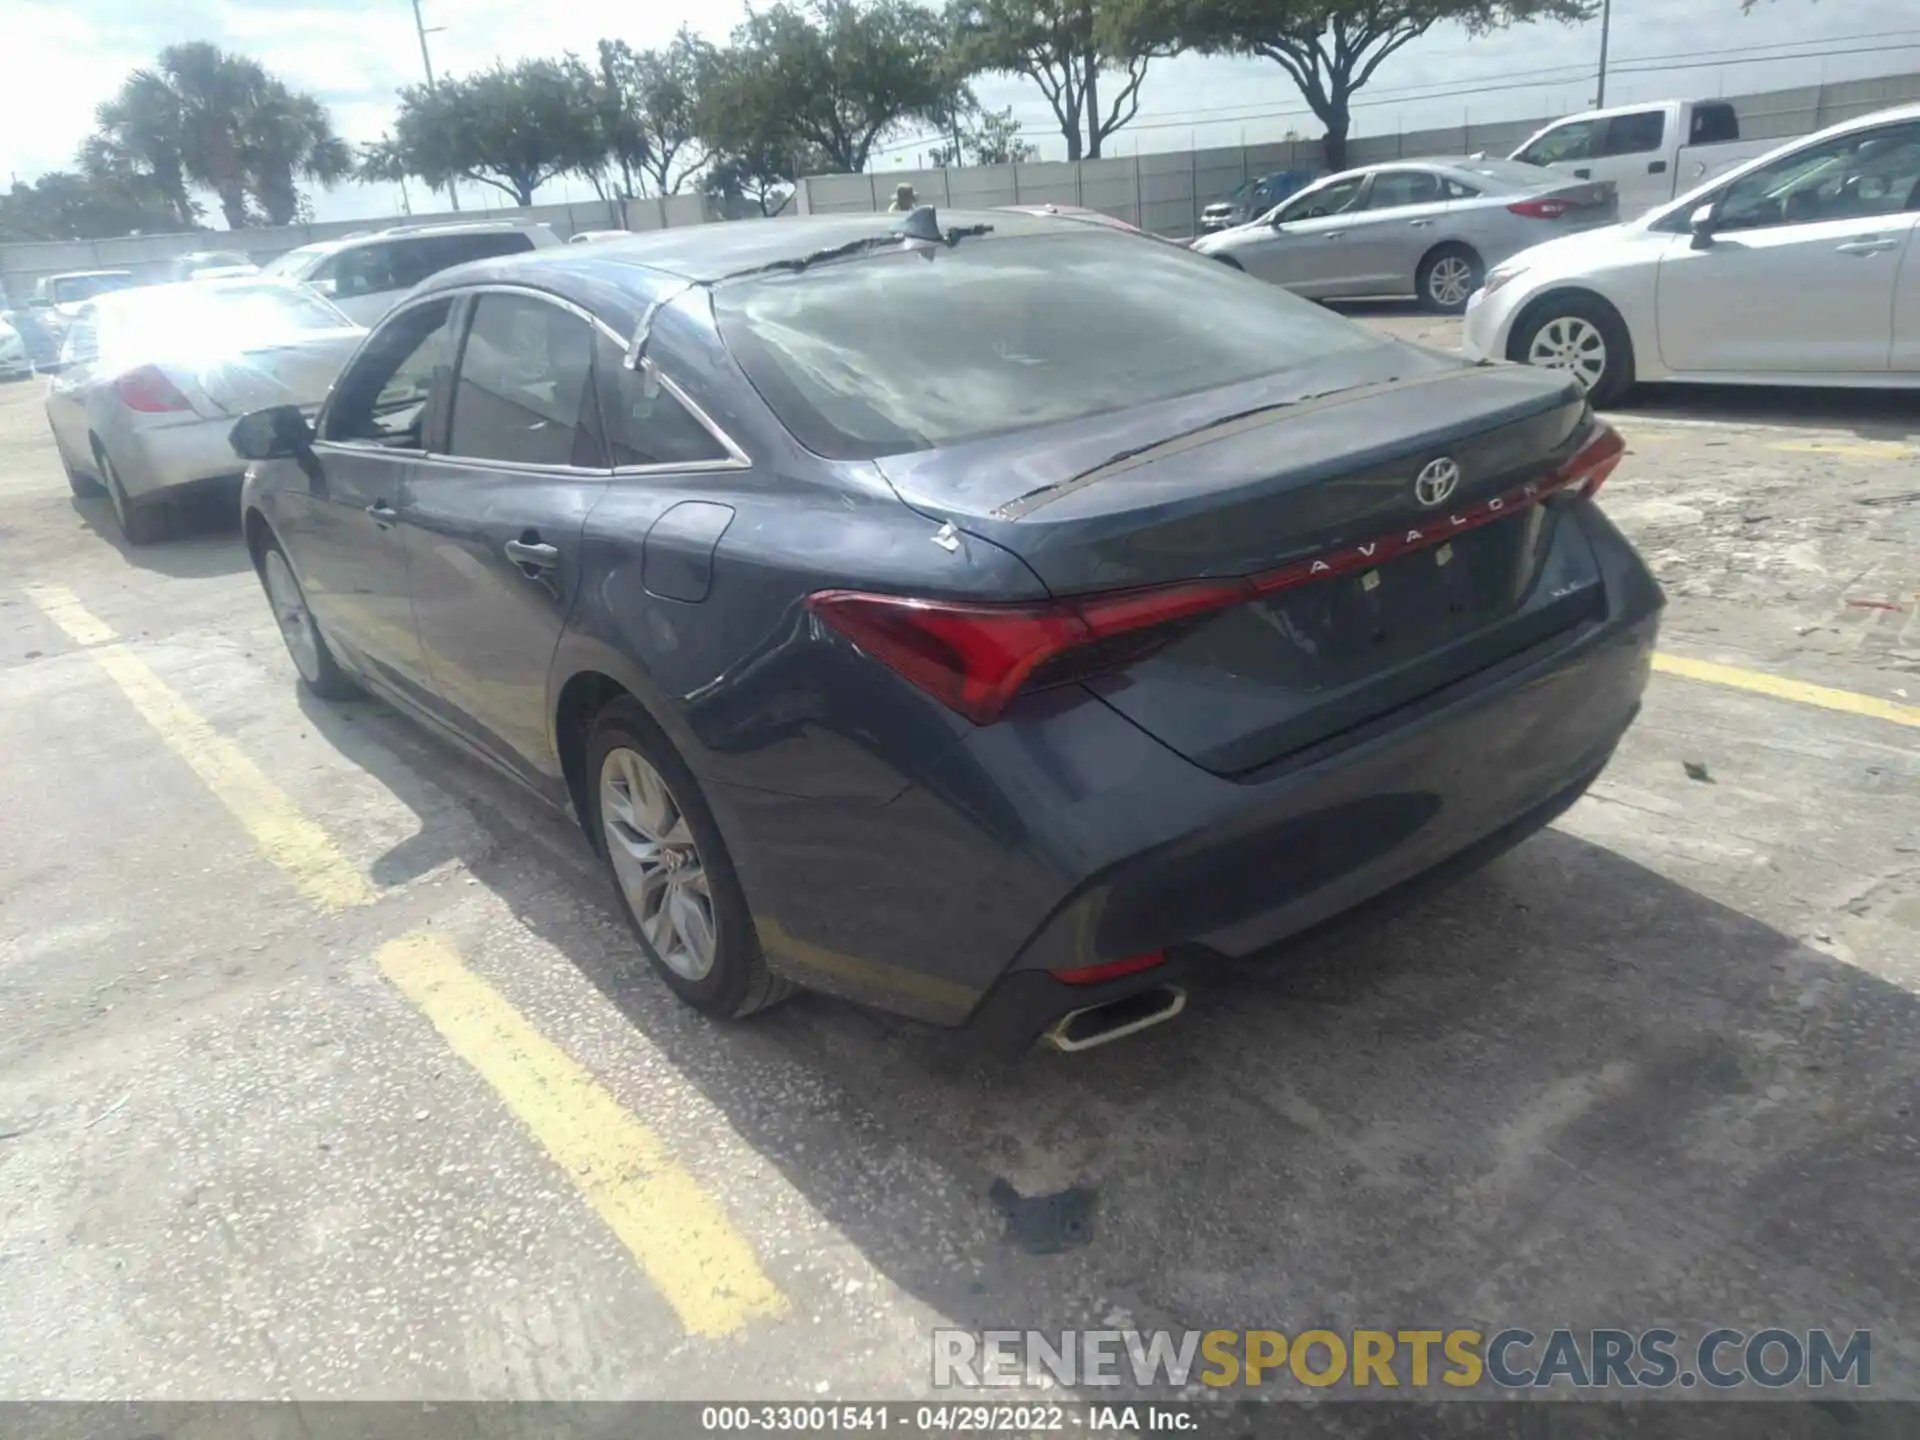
(426, 62)
(1606, 24)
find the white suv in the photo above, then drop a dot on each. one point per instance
(366, 275)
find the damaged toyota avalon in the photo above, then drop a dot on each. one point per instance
(988, 617)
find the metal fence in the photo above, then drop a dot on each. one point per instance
(1165, 192)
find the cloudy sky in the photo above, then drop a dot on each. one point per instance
(65, 56)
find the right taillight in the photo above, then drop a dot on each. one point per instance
(1589, 466)
(150, 392)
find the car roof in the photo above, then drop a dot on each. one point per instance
(721, 248)
(416, 232)
(83, 275)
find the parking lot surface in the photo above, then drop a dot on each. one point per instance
(329, 1071)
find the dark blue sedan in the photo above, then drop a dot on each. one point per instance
(990, 617)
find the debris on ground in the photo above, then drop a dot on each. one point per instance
(1045, 1224)
(1875, 605)
(1697, 770)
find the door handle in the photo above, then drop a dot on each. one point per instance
(382, 512)
(1334, 235)
(531, 555)
(1874, 246)
(1583, 174)
(1418, 224)
(1656, 167)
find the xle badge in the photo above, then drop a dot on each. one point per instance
(1443, 554)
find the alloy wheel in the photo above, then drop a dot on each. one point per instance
(1571, 344)
(1450, 281)
(291, 614)
(657, 863)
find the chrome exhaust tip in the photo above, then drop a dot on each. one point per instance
(1116, 1019)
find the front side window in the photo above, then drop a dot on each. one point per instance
(1636, 134)
(524, 394)
(901, 352)
(1394, 188)
(364, 270)
(1571, 141)
(1332, 199)
(295, 263)
(646, 425)
(382, 398)
(1862, 176)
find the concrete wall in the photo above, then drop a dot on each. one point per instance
(1165, 192)
(147, 256)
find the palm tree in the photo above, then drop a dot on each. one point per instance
(206, 117)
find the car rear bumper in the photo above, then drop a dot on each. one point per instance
(173, 457)
(1066, 837)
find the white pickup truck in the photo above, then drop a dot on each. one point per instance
(1650, 152)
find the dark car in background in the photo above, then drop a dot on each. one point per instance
(1251, 197)
(990, 626)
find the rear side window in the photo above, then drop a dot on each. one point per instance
(646, 425)
(1458, 191)
(900, 352)
(1637, 133)
(524, 394)
(1714, 125)
(1393, 188)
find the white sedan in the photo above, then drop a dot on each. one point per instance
(150, 381)
(1801, 267)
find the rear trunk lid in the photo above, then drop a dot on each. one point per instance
(297, 372)
(1401, 582)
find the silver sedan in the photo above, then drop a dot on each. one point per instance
(150, 381)
(1430, 229)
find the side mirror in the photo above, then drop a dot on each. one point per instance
(1701, 223)
(281, 433)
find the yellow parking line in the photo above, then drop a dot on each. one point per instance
(1781, 689)
(1849, 449)
(680, 1235)
(287, 838)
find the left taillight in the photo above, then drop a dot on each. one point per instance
(1549, 208)
(150, 392)
(974, 658)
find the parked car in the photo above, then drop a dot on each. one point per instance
(1426, 228)
(150, 382)
(1088, 217)
(1253, 197)
(1097, 611)
(367, 275)
(1799, 268)
(57, 298)
(15, 364)
(213, 265)
(30, 325)
(1650, 152)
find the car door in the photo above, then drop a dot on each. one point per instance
(494, 518)
(1384, 240)
(1906, 301)
(1301, 247)
(69, 386)
(342, 534)
(1634, 152)
(1800, 270)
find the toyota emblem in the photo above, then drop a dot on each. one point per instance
(1434, 484)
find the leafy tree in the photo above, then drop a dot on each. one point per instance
(649, 101)
(203, 116)
(837, 75)
(1329, 48)
(987, 137)
(763, 177)
(63, 205)
(1066, 47)
(512, 128)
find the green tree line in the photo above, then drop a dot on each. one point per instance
(802, 86)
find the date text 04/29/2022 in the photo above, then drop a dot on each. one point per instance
(950, 1419)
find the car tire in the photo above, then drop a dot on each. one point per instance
(688, 913)
(312, 659)
(1559, 334)
(142, 523)
(1447, 276)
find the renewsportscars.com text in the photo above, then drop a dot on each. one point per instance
(1512, 1359)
